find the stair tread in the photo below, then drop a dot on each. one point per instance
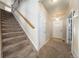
(21, 52)
(13, 41)
(14, 45)
(12, 33)
(9, 23)
(13, 52)
(7, 39)
(8, 26)
(6, 31)
(12, 29)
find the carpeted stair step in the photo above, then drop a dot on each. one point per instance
(13, 50)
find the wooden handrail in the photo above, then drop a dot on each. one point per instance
(25, 19)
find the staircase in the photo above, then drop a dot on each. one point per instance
(15, 43)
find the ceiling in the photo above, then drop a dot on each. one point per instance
(56, 7)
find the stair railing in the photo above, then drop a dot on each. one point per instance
(26, 20)
(15, 9)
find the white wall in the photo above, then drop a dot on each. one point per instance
(35, 13)
(1, 6)
(75, 40)
(42, 19)
(8, 2)
(29, 8)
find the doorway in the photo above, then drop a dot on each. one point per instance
(57, 28)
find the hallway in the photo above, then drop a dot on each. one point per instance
(15, 43)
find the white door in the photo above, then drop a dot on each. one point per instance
(57, 29)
